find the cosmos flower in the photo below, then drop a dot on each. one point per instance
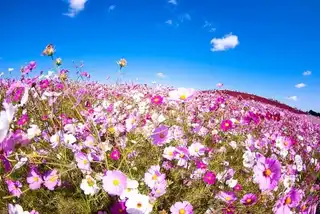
(131, 190)
(34, 179)
(160, 135)
(267, 173)
(228, 197)
(290, 200)
(51, 179)
(138, 205)
(114, 182)
(153, 176)
(14, 187)
(209, 178)
(249, 199)
(83, 162)
(182, 155)
(122, 63)
(118, 208)
(181, 94)
(197, 149)
(49, 50)
(226, 125)
(58, 61)
(89, 185)
(16, 209)
(168, 152)
(115, 154)
(157, 100)
(181, 208)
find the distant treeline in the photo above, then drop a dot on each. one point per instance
(314, 113)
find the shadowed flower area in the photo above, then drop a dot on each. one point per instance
(78, 146)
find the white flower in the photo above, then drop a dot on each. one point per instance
(131, 190)
(232, 182)
(288, 180)
(55, 139)
(138, 204)
(5, 119)
(33, 131)
(233, 144)
(69, 139)
(284, 153)
(89, 185)
(21, 162)
(130, 123)
(248, 159)
(16, 209)
(309, 149)
(181, 94)
(196, 149)
(137, 97)
(168, 152)
(299, 163)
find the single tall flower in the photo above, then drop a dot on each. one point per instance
(114, 182)
(181, 208)
(122, 63)
(49, 50)
(267, 173)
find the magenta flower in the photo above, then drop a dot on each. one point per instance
(228, 210)
(34, 179)
(114, 182)
(115, 154)
(226, 125)
(267, 173)
(181, 208)
(209, 178)
(14, 187)
(23, 120)
(290, 200)
(51, 179)
(249, 199)
(157, 100)
(160, 135)
(44, 84)
(237, 187)
(228, 197)
(118, 208)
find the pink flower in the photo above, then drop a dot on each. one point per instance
(115, 154)
(226, 125)
(209, 178)
(114, 182)
(34, 179)
(51, 179)
(14, 187)
(157, 100)
(181, 208)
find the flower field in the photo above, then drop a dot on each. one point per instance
(76, 146)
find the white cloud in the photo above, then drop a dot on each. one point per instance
(10, 69)
(169, 22)
(184, 17)
(208, 25)
(75, 6)
(227, 42)
(294, 98)
(300, 85)
(307, 73)
(174, 2)
(112, 7)
(161, 75)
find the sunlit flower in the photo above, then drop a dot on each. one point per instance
(157, 100)
(181, 208)
(114, 182)
(89, 185)
(49, 50)
(181, 94)
(138, 205)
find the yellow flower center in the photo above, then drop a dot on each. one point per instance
(53, 179)
(156, 100)
(183, 97)
(182, 211)
(267, 172)
(181, 155)
(111, 130)
(286, 143)
(154, 177)
(197, 149)
(116, 182)
(35, 179)
(303, 208)
(170, 153)
(288, 200)
(248, 200)
(90, 182)
(226, 124)
(85, 162)
(139, 205)
(228, 198)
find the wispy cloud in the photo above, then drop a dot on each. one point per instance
(111, 7)
(294, 98)
(174, 2)
(161, 75)
(307, 73)
(10, 69)
(208, 25)
(185, 17)
(75, 6)
(169, 22)
(227, 42)
(300, 85)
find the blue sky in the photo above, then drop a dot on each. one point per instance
(260, 47)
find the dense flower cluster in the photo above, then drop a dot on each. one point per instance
(82, 147)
